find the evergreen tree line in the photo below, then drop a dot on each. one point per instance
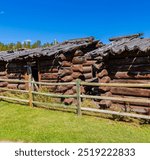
(24, 45)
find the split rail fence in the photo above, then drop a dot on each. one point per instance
(78, 96)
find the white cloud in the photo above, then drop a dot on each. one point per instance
(27, 40)
(2, 12)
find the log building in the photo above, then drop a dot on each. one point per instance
(125, 60)
(63, 62)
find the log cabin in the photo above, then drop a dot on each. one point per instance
(64, 62)
(125, 59)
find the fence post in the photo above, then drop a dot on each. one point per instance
(78, 81)
(30, 91)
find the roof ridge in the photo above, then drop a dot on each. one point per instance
(127, 37)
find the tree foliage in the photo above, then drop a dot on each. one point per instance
(24, 45)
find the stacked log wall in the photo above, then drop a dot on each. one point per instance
(67, 67)
(16, 71)
(3, 74)
(103, 77)
(132, 69)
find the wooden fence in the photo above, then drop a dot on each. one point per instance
(78, 96)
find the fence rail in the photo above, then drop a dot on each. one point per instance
(78, 96)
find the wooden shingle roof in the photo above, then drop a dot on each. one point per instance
(67, 46)
(119, 45)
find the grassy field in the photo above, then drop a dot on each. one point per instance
(23, 124)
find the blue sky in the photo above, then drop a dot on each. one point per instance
(47, 20)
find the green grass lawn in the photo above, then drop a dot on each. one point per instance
(23, 124)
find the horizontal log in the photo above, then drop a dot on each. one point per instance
(136, 85)
(77, 68)
(89, 63)
(65, 72)
(115, 113)
(78, 53)
(3, 84)
(50, 81)
(129, 54)
(14, 99)
(53, 95)
(16, 86)
(88, 75)
(49, 88)
(130, 60)
(67, 79)
(69, 92)
(130, 75)
(109, 94)
(144, 81)
(63, 89)
(76, 75)
(47, 76)
(131, 108)
(104, 89)
(122, 99)
(131, 91)
(103, 73)
(87, 69)
(143, 101)
(130, 67)
(78, 60)
(66, 64)
(3, 73)
(105, 79)
(3, 77)
(15, 76)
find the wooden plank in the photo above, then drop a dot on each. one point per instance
(131, 91)
(54, 95)
(13, 80)
(130, 67)
(130, 60)
(141, 103)
(117, 85)
(14, 99)
(130, 75)
(13, 90)
(116, 113)
(143, 81)
(56, 84)
(138, 100)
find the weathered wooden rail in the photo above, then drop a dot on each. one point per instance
(78, 96)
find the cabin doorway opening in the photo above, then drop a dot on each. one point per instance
(35, 74)
(34, 71)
